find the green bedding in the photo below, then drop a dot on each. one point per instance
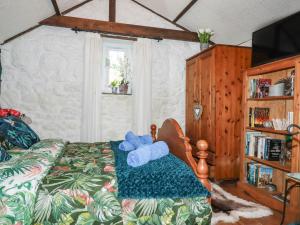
(81, 188)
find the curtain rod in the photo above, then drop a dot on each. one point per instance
(103, 34)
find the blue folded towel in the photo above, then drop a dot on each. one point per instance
(159, 149)
(133, 139)
(126, 146)
(139, 157)
(146, 153)
(146, 139)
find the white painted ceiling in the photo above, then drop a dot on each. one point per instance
(232, 20)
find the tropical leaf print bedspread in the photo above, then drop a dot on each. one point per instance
(20, 178)
(81, 189)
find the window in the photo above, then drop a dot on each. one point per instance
(117, 66)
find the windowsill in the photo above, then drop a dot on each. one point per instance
(110, 93)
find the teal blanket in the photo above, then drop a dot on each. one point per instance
(168, 177)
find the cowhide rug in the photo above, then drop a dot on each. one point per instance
(229, 208)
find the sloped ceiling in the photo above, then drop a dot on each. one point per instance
(19, 15)
(232, 20)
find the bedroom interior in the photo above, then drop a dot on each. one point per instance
(149, 112)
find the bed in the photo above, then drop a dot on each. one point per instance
(75, 183)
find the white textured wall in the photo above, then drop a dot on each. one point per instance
(42, 76)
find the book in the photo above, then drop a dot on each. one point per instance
(261, 115)
(249, 134)
(258, 174)
(251, 117)
(259, 88)
(263, 87)
(273, 149)
(251, 173)
(263, 176)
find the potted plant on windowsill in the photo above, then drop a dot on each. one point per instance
(204, 36)
(123, 88)
(114, 86)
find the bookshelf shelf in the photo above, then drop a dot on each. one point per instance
(276, 107)
(271, 98)
(274, 164)
(268, 130)
(262, 195)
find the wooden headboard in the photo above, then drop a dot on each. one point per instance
(179, 145)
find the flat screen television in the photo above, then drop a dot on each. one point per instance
(276, 41)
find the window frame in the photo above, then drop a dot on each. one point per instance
(115, 44)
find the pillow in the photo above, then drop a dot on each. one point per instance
(4, 156)
(18, 133)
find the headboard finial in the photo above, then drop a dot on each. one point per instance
(153, 132)
(202, 167)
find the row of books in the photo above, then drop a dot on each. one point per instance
(263, 147)
(258, 115)
(259, 88)
(258, 174)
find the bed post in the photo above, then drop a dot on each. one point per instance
(202, 167)
(153, 132)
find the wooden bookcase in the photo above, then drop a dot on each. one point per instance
(279, 106)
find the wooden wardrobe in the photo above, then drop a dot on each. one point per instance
(214, 82)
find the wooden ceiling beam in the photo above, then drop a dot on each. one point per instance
(56, 8)
(187, 8)
(119, 28)
(156, 13)
(112, 10)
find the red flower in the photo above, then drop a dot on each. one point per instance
(128, 205)
(106, 150)
(108, 186)
(63, 168)
(109, 169)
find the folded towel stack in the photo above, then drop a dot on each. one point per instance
(147, 153)
(133, 141)
(141, 149)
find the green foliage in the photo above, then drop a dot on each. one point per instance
(85, 219)
(115, 83)
(204, 35)
(105, 206)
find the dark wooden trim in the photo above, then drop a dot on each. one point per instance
(20, 34)
(75, 7)
(187, 8)
(56, 8)
(112, 10)
(213, 46)
(165, 18)
(119, 37)
(36, 26)
(119, 28)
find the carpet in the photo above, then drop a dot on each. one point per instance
(229, 208)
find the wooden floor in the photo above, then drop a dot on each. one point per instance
(270, 220)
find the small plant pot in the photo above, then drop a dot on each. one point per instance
(204, 46)
(114, 90)
(123, 88)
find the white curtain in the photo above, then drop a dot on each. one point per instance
(91, 99)
(142, 88)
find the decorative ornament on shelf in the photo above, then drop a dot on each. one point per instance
(204, 36)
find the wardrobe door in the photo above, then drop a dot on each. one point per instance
(207, 99)
(192, 96)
